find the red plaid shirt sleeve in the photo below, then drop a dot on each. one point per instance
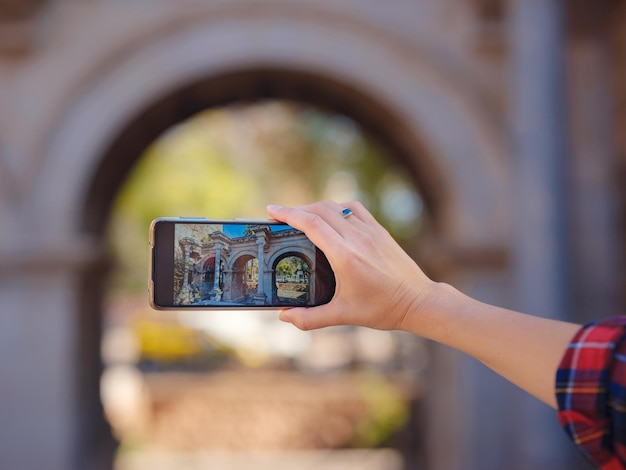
(591, 392)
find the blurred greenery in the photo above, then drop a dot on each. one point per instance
(233, 161)
(387, 410)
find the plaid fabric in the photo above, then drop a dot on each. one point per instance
(591, 392)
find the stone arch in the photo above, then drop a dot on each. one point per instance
(446, 139)
(276, 256)
(231, 260)
(206, 262)
(409, 100)
(207, 272)
(238, 283)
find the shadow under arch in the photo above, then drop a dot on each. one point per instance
(208, 273)
(239, 277)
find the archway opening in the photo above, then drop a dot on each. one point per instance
(333, 156)
(402, 147)
(209, 276)
(291, 279)
(245, 278)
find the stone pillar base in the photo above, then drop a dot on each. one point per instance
(259, 299)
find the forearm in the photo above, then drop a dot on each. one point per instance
(380, 286)
(524, 349)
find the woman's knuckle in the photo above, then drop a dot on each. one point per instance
(357, 204)
(313, 222)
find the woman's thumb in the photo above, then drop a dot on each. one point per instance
(307, 318)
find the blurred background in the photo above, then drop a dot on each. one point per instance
(486, 135)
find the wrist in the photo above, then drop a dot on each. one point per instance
(429, 314)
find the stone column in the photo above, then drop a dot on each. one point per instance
(186, 250)
(261, 296)
(312, 293)
(50, 363)
(216, 291)
(261, 260)
(218, 260)
(540, 207)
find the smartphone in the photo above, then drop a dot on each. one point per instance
(240, 264)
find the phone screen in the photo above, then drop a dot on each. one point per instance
(230, 264)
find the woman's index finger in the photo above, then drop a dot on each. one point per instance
(312, 224)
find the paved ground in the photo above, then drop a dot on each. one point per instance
(380, 459)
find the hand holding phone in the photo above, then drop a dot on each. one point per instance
(242, 264)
